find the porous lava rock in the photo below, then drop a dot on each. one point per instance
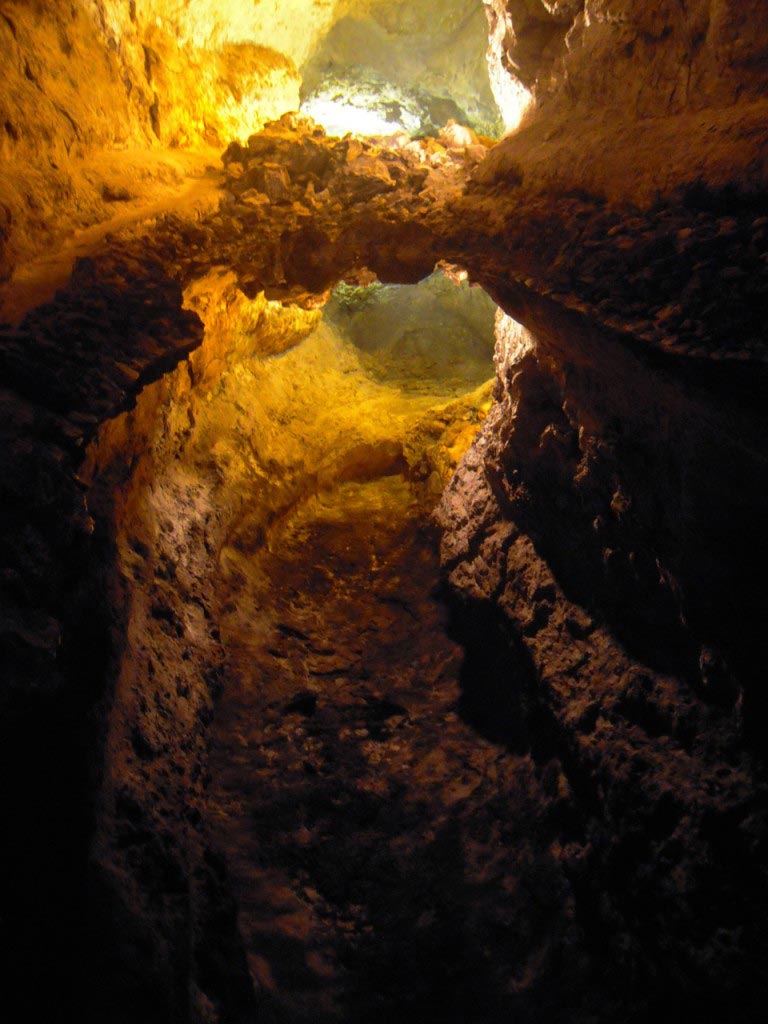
(602, 538)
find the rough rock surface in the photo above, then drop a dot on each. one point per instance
(647, 58)
(142, 551)
(619, 620)
(343, 735)
(165, 74)
(565, 519)
(628, 97)
(603, 537)
(71, 364)
(433, 54)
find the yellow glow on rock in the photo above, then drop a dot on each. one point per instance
(220, 69)
(290, 26)
(253, 85)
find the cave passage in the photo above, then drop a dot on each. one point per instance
(355, 808)
(411, 72)
(358, 812)
(269, 756)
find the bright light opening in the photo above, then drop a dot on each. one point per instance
(339, 116)
(514, 101)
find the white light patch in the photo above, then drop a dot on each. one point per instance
(339, 118)
(513, 99)
(513, 341)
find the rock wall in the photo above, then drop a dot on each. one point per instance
(588, 518)
(163, 938)
(104, 556)
(605, 532)
(102, 73)
(47, 112)
(631, 97)
(59, 619)
(596, 516)
(643, 59)
(101, 76)
(556, 211)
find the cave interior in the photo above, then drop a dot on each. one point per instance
(384, 488)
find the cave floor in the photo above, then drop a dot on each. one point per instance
(379, 863)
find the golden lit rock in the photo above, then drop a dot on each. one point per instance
(341, 679)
